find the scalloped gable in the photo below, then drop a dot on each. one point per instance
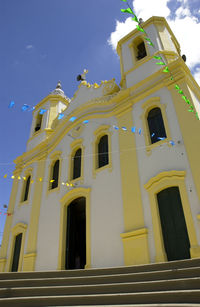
(88, 92)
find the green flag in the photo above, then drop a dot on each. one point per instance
(166, 69)
(157, 57)
(135, 18)
(139, 28)
(128, 10)
(160, 63)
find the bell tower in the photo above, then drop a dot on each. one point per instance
(44, 114)
(136, 54)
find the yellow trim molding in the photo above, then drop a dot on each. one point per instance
(8, 224)
(98, 133)
(56, 155)
(135, 243)
(27, 172)
(17, 229)
(75, 145)
(131, 196)
(65, 202)
(189, 126)
(29, 262)
(156, 184)
(147, 107)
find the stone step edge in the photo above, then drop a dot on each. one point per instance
(182, 270)
(138, 305)
(142, 283)
(156, 293)
(151, 266)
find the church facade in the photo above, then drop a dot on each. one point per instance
(115, 180)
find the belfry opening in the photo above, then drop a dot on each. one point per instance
(76, 235)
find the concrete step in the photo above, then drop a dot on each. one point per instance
(104, 271)
(142, 305)
(163, 285)
(158, 297)
(103, 279)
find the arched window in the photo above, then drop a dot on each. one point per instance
(140, 50)
(156, 125)
(38, 122)
(103, 151)
(26, 188)
(16, 253)
(77, 164)
(55, 174)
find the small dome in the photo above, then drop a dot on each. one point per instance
(58, 91)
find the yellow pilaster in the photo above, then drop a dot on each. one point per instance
(189, 126)
(30, 256)
(135, 238)
(8, 224)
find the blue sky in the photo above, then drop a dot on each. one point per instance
(43, 41)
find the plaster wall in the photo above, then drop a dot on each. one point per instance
(163, 158)
(106, 205)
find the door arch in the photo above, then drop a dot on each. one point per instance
(173, 225)
(66, 200)
(76, 234)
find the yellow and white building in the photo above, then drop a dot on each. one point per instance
(116, 190)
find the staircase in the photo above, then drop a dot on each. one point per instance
(169, 284)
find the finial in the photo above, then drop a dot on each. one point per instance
(59, 85)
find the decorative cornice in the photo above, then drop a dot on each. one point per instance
(164, 175)
(134, 233)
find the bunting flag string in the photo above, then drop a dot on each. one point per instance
(162, 62)
(133, 129)
(68, 184)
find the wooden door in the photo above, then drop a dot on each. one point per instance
(174, 229)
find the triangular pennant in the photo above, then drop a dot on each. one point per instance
(160, 63)
(128, 10)
(140, 29)
(11, 105)
(166, 69)
(60, 116)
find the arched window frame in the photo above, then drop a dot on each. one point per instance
(134, 51)
(38, 122)
(156, 184)
(75, 145)
(16, 230)
(154, 134)
(147, 107)
(56, 156)
(98, 134)
(27, 173)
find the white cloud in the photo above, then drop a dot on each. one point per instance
(184, 25)
(29, 47)
(146, 9)
(122, 28)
